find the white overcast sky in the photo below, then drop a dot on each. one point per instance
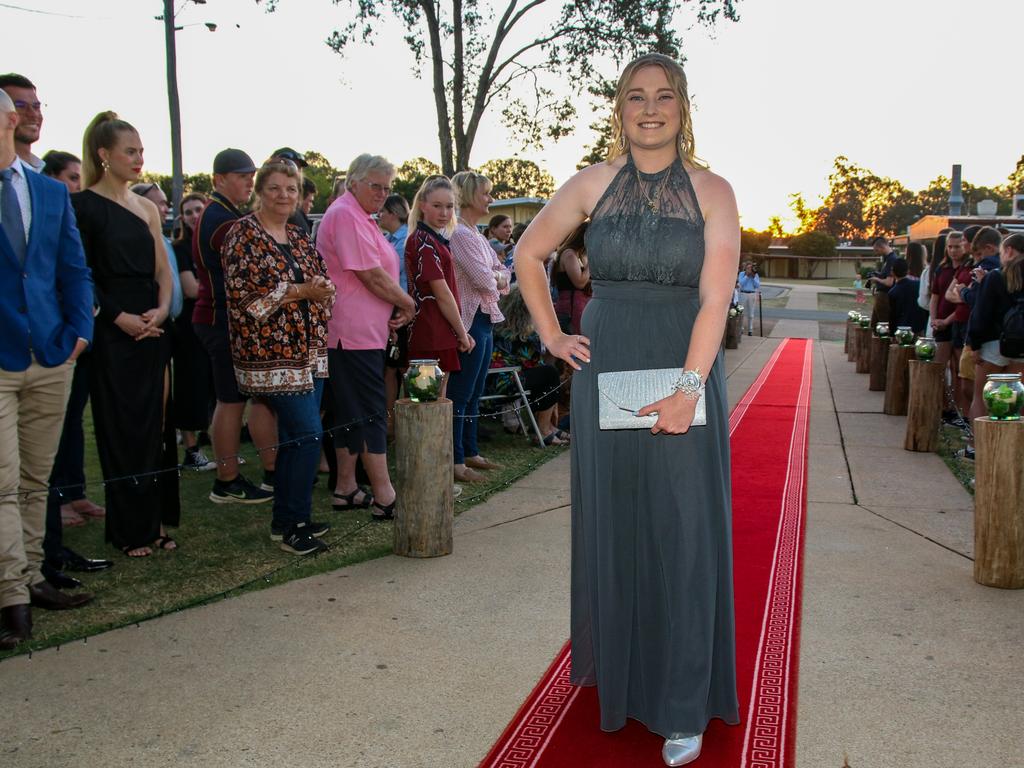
(903, 87)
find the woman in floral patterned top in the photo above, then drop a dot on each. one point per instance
(278, 301)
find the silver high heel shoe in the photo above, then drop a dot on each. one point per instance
(682, 751)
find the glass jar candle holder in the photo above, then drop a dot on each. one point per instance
(1003, 395)
(904, 336)
(924, 349)
(864, 321)
(423, 381)
(882, 330)
(853, 316)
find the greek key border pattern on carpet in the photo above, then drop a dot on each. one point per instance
(766, 730)
(537, 726)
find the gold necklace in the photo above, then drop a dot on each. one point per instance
(654, 203)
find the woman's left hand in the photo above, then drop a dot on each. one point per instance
(675, 414)
(153, 318)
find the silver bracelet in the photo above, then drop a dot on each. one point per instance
(690, 384)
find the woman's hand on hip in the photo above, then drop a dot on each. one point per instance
(675, 414)
(573, 349)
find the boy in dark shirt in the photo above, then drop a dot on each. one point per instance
(903, 306)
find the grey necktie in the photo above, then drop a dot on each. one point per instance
(10, 215)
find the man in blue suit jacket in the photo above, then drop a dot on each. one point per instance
(46, 299)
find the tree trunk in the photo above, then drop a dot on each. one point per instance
(999, 503)
(851, 350)
(423, 472)
(879, 363)
(924, 412)
(846, 340)
(863, 350)
(444, 127)
(897, 380)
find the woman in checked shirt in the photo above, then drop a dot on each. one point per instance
(481, 278)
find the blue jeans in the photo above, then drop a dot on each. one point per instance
(298, 418)
(466, 385)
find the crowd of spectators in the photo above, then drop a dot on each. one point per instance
(234, 312)
(960, 294)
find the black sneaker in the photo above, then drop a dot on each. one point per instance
(316, 530)
(299, 541)
(268, 480)
(238, 491)
(197, 461)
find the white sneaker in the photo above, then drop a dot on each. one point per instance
(682, 751)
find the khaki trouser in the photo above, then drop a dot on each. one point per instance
(32, 404)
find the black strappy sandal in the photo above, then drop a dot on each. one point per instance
(350, 500)
(386, 512)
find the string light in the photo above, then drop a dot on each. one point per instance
(290, 443)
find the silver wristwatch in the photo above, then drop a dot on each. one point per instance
(690, 384)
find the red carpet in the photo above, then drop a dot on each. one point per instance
(557, 726)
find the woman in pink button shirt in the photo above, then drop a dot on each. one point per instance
(369, 303)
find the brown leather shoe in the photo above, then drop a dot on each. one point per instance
(479, 462)
(45, 595)
(15, 626)
(469, 475)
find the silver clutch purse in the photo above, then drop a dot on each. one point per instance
(622, 393)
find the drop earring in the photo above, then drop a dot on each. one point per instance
(621, 143)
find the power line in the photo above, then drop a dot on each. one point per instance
(48, 13)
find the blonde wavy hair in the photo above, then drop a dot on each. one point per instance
(677, 79)
(518, 323)
(467, 184)
(416, 209)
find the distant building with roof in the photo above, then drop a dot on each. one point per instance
(520, 209)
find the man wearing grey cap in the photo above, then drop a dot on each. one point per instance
(233, 175)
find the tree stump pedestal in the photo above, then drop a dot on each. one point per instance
(732, 332)
(863, 350)
(897, 380)
(999, 503)
(924, 408)
(851, 336)
(878, 364)
(425, 511)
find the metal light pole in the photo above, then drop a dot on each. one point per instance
(177, 177)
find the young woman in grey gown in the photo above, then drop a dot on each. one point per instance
(652, 602)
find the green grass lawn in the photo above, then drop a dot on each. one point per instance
(844, 302)
(226, 550)
(832, 282)
(951, 440)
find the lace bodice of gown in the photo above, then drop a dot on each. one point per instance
(627, 240)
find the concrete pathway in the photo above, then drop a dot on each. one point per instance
(805, 299)
(420, 664)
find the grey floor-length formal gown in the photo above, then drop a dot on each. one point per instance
(652, 598)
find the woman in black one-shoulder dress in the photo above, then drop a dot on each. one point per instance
(120, 233)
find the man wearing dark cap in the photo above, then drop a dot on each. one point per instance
(298, 217)
(233, 177)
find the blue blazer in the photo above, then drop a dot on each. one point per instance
(45, 305)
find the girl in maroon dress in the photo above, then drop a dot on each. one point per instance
(437, 331)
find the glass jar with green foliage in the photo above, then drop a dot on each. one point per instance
(423, 381)
(904, 336)
(925, 349)
(882, 330)
(1004, 396)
